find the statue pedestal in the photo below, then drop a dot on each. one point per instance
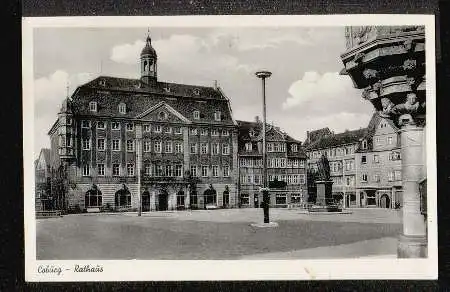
(324, 195)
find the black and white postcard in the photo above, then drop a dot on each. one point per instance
(230, 148)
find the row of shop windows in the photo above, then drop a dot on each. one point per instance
(272, 162)
(280, 199)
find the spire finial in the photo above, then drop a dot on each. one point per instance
(148, 35)
(67, 88)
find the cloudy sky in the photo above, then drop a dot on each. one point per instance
(304, 93)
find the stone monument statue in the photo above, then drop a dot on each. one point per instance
(323, 166)
(324, 183)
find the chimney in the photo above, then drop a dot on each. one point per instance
(257, 119)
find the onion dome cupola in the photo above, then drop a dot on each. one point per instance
(148, 63)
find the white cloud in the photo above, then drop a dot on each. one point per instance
(325, 94)
(127, 53)
(49, 93)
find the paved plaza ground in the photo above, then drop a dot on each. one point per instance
(220, 234)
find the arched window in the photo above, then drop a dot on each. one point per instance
(145, 66)
(123, 198)
(122, 108)
(210, 196)
(93, 198)
(226, 197)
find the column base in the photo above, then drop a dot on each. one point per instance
(412, 247)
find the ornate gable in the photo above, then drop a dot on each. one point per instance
(164, 113)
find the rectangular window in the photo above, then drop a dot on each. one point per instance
(116, 169)
(130, 126)
(101, 169)
(193, 131)
(148, 169)
(215, 148)
(101, 125)
(196, 115)
(159, 170)
(280, 199)
(86, 124)
(147, 146)
(193, 148)
(116, 145)
(225, 133)
(177, 130)
(169, 170)
(101, 144)
(376, 178)
(158, 129)
(301, 179)
(363, 159)
(269, 147)
(193, 170)
(204, 171)
(215, 171)
(86, 170)
(130, 169)
(294, 148)
(115, 126)
(389, 140)
(130, 145)
(225, 149)
(376, 158)
(204, 148)
(86, 144)
(178, 170)
(390, 176)
(364, 177)
(178, 147)
(204, 132)
(398, 175)
(245, 199)
(226, 171)
(379, 141)
(296, 199)
(157, 147)
(168, 147)
(217, 116)
(295, 163)
(147, 128)
(214, 132)
(248, 147)
(167, 130)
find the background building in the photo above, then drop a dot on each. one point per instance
(174, 144)
(42, 180)
(286, 166)
(379, 181)
(340, 150)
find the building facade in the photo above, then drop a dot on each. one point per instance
(286, 166)
(42, 181)
(340, 149)
(378, 160)
(124, 142)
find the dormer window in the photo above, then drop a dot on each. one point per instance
(196, 115)
(93, 106)
(130, 127)
(252, 133)
(364, 144)
(102, 82)
(196, 91)
(217, 116)
(167, 89)
(122, 108)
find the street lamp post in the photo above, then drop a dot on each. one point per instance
(265, 190)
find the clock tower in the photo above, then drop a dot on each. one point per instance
(148, 63)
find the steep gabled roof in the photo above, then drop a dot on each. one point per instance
(347, 137)
(313, 136)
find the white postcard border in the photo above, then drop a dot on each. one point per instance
(146, 270)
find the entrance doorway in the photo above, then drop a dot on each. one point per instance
(145, 201)
(256, 201)
(163, 201)
(180, 200)
(226, 199)
(385, 202)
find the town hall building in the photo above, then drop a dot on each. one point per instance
(167, 145)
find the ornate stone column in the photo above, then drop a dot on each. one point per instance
(388, 63)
